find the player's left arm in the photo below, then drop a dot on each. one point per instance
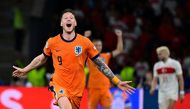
(93, 54)
(180, 79)
(119, 48)
(123, 85)
(181, 84)
(181, 87)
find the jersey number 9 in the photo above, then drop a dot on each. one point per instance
(59, 59)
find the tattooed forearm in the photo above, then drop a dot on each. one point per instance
(104, 68)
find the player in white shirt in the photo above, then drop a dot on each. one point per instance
(169, 73)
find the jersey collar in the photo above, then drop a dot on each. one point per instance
(68, 40)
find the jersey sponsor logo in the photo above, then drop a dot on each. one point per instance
(78, 50)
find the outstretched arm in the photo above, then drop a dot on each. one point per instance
(36, 62)
(123, 85)
(119, 48)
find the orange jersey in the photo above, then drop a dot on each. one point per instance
(96, 78)
(68, 61)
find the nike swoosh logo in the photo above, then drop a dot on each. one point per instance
(57, 50)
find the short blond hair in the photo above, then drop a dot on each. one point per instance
(163, 48)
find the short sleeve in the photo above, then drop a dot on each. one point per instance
(47, 48)
(178, 68)
(155, 71)
(91, 50)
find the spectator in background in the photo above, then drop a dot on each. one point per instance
(18, 25)
(171, 5)
(166, 28)
(148, 81)
(186, 64)
(128, 74)
(141, 68)
(18, 81)
(156, 5)
(37, 77)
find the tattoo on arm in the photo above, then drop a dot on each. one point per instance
(104, 68)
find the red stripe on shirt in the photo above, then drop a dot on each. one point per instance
(166, 70)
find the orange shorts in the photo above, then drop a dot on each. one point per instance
(58, 91)
(99, 96)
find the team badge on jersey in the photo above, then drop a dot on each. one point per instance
(78, 50)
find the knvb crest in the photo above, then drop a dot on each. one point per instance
(78, 50)
(61, 91)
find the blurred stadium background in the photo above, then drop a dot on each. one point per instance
(25, 25)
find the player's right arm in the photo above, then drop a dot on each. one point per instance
(36, 62)
(154, 81)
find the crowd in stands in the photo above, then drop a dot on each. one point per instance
(146, 24)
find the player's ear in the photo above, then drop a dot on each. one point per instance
(61, 24)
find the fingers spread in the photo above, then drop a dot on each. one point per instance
(132, 91)
(16, 73)
(131, 87)
(128, 92)
(126, 85)
(125, 82)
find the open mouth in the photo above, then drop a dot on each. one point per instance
(68, 25)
